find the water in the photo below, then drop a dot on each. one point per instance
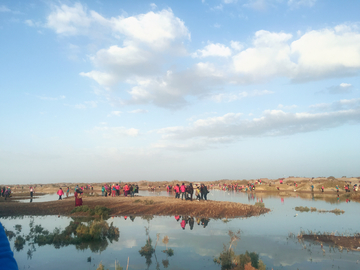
(267, 235)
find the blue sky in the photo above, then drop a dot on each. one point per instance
(189, 90)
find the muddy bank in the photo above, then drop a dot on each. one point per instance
(341, 242)
(138, 206)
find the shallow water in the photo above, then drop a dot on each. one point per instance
(267, 235)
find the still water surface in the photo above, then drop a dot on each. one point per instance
(195, 247)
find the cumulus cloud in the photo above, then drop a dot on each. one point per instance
(269, 56)
(213, 50)
(171, 90)
(69, 20)
(234, 126)
(158, 30)
(316, 55)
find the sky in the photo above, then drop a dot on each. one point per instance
(198, 90)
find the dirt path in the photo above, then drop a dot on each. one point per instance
(138, 206)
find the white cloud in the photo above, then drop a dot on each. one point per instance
(115, 113)
(213, 50)
(269, 57)
(158, 30)
(69, 20)
(345, 85)
(235, 45)
(326, 53)
(102, 78)
(4, 9)
(153, 6)
(234, 126)
(317, 54)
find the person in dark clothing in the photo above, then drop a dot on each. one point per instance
(190, 191)
(204, 191)
(191, 223)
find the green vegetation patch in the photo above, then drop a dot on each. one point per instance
(100, 211)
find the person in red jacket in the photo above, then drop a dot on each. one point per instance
(60, 193)
(183, 191)
(177, 191)
(126, 190)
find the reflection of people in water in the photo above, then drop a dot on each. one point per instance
(177, 218)
(191, 223)
(7, 260)
(132, 218)
(204, 222)
(183, 224)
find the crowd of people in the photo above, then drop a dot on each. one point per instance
(186, 192)
(5, 192)
(114, 190)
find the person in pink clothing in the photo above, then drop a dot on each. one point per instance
(126, 190)
(177, 191)
(183, 191)
(60, 193)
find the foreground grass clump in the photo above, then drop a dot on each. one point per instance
(229, 260)
(302, 208)
(146, 202)
(260, 204)
(100, 211)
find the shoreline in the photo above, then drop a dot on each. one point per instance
(135, 206)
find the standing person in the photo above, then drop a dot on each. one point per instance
(177, 191)
(31, 192)
(113, 193)
(131, 190)
(117, 187)
(183, 191)
(126, 190)
(191, 191)
(322, 188)
(204, 192)
(102, 191)
(67, 192)
(60, 193)
(78, 197)
(337, 188)
(312, 188)
(197, 193)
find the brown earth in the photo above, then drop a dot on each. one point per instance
(342, 242)
(137, 206)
